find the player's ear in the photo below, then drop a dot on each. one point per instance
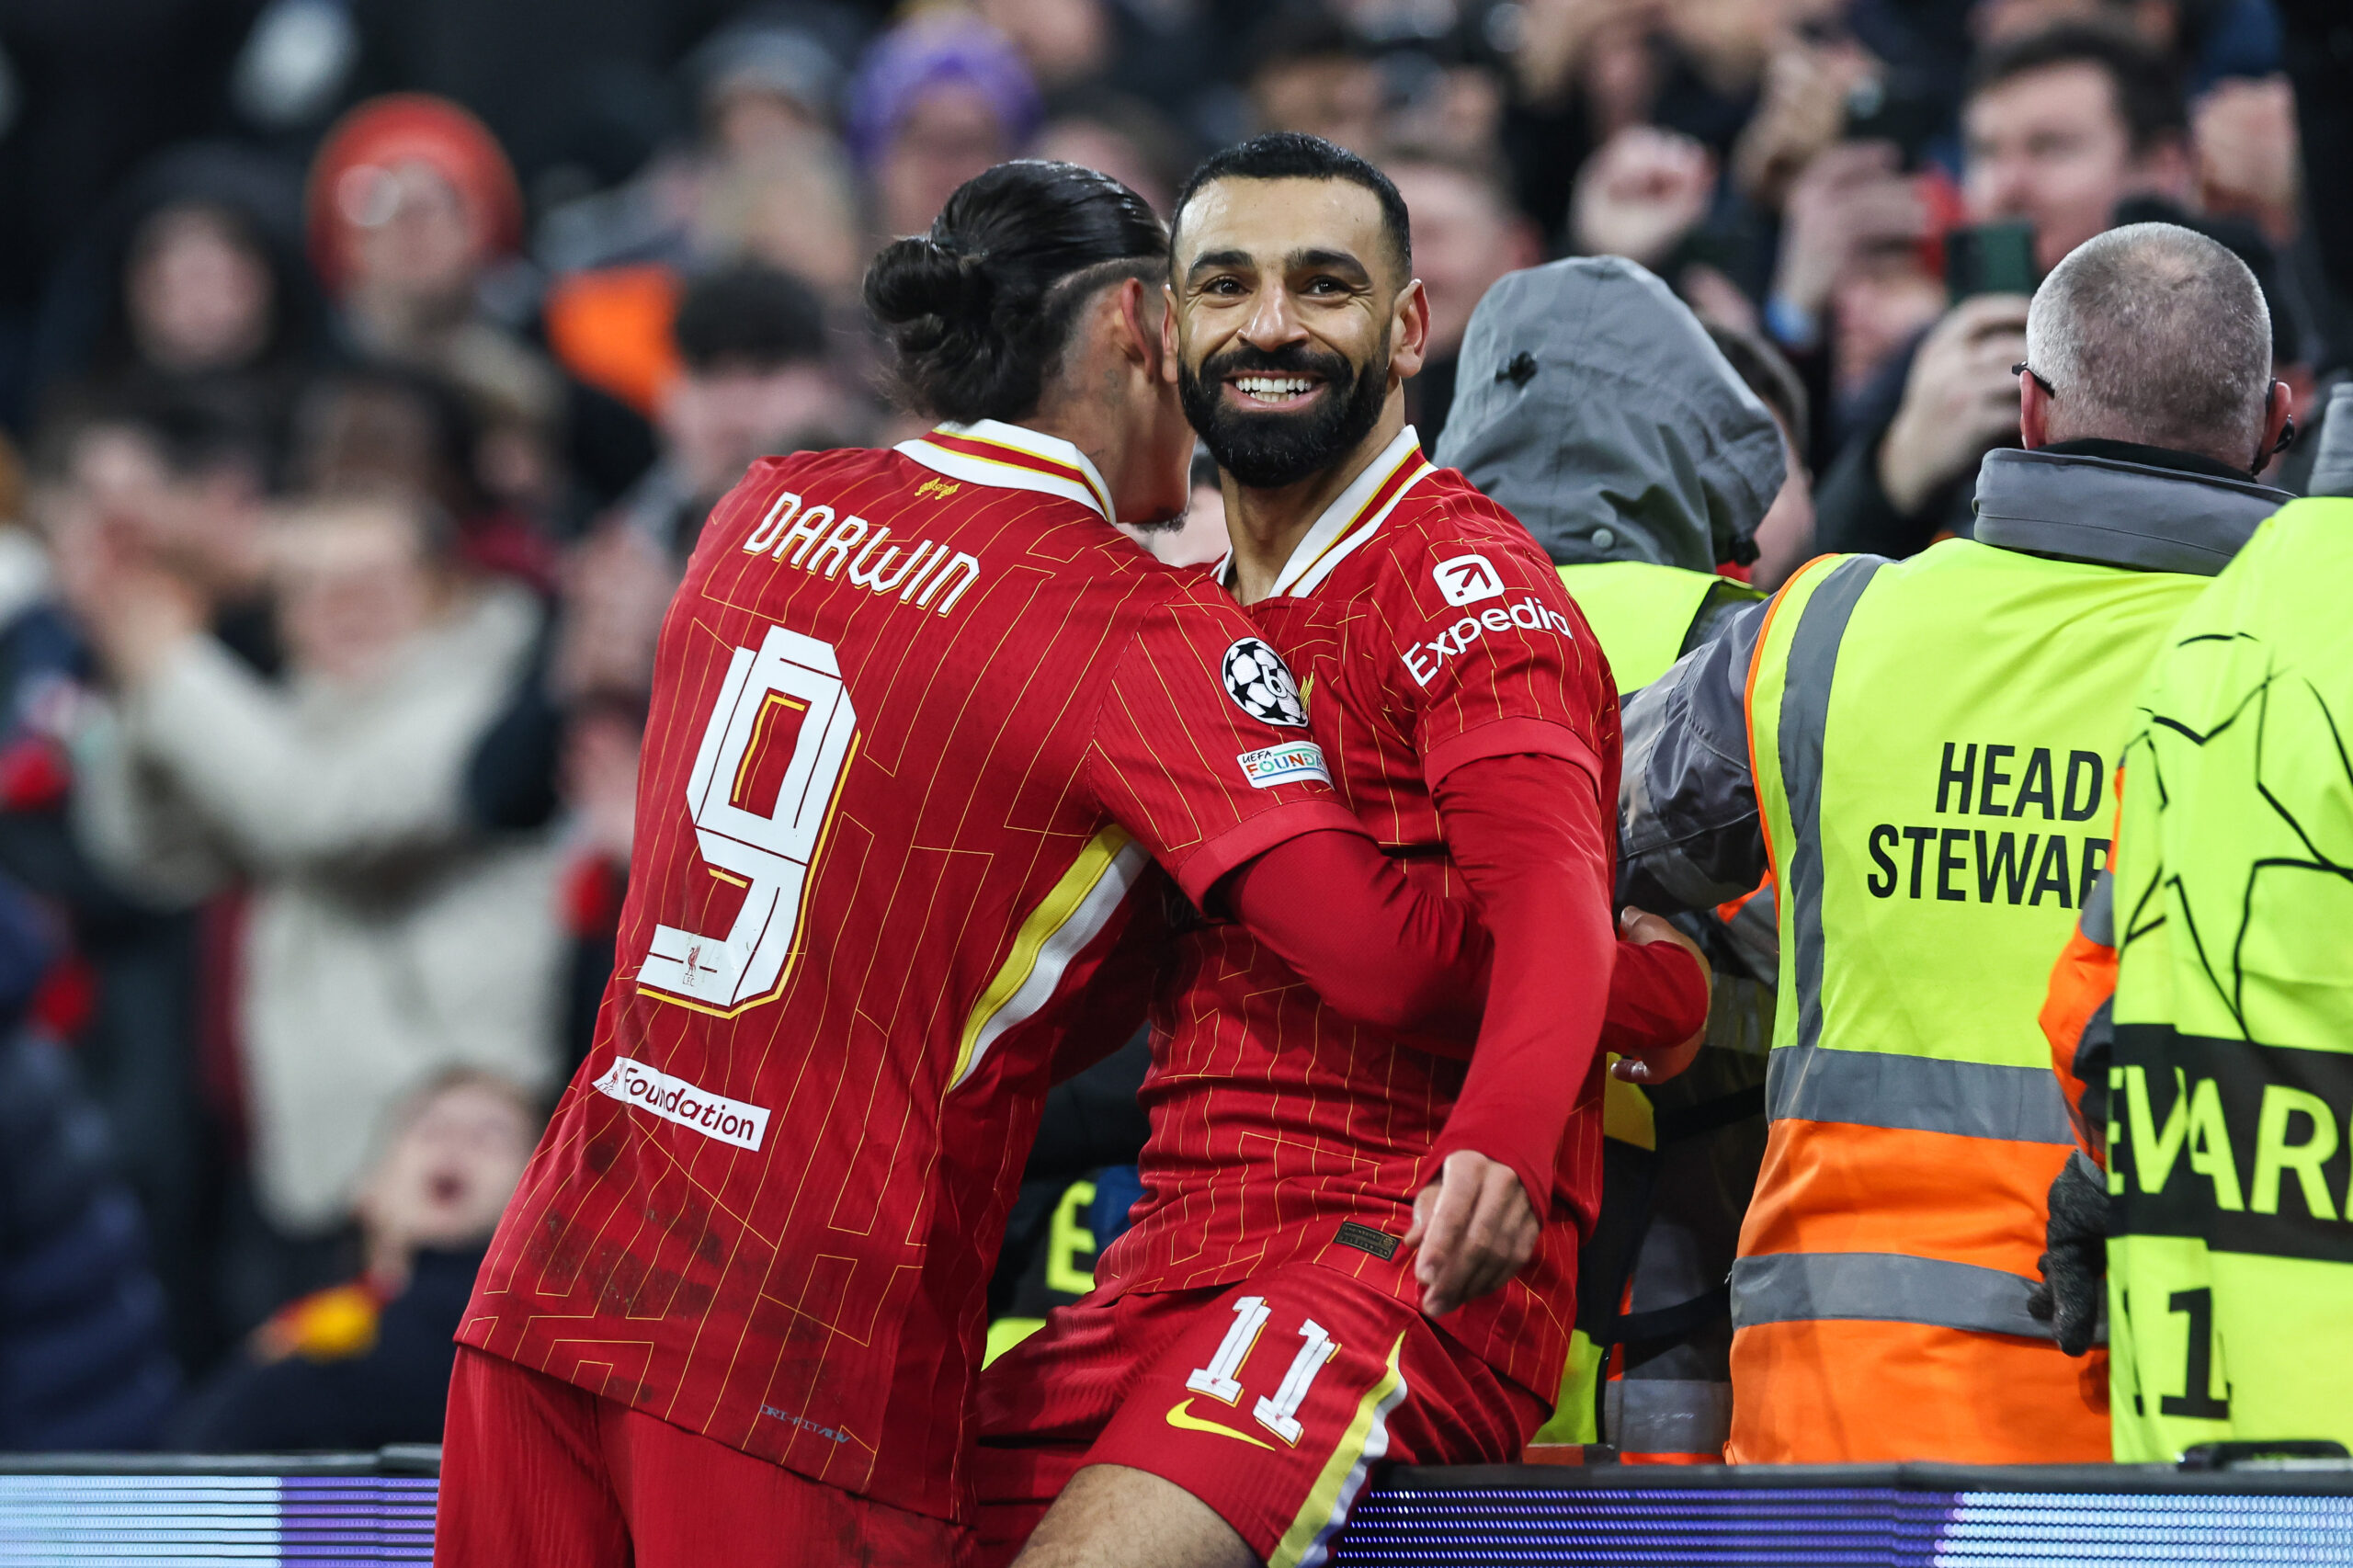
(1137, 335)
(1409, 331)
(1168, 334)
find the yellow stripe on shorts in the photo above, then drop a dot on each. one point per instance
(1309, 1539)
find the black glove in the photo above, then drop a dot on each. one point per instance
(2073, 1297)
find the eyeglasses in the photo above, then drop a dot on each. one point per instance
(2023, 369)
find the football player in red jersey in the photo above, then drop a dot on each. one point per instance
(1285, 1309)
(928, 740)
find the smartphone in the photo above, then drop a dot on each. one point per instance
(1990, 258)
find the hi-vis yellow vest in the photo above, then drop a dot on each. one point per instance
(1932, 741)
(1641, 613)
(2231, 1270)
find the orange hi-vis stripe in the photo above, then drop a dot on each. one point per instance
(1854, 1393)
(1837, 1188)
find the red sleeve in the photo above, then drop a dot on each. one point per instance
(1200, 747)
(1658, 997)
(1531, 839)
(1381, 952)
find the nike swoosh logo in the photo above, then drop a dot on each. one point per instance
(1184, 1420)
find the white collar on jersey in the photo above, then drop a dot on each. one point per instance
(1012, 457)
(1353, 517)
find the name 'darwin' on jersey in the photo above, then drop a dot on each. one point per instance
(818, 541)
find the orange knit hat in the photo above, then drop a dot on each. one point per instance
(384, 133)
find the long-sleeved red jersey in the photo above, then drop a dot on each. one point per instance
(1428, 632)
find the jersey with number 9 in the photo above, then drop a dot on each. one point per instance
(926, 736)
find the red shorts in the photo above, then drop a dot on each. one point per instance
(536, 1474)
(1267, 1400)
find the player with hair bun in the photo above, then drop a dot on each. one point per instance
(929, 742)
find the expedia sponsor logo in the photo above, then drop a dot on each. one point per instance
(1423, 660)
(675, 1099)
(1260, 683)
(1467, 579)
(1284, 765)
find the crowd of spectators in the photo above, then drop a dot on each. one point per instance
(366, 370)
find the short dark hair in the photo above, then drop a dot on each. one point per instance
(192, 432)
(980, 309)
(748, 315)
(2148, 89)
(1294, 155)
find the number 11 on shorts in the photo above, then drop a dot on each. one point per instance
(1221, 1379)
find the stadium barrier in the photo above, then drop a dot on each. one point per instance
(159, 1510)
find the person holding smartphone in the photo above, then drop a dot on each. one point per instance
(2060, 128)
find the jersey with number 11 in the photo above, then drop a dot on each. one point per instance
(922, 724)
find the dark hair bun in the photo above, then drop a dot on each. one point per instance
(918, 277)
(976, 310)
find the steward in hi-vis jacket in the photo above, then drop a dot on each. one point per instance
(2202, 1017)
(1920, 751)
(1591, 403)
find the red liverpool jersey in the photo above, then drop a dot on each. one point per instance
(922, 723)
(1427, 630)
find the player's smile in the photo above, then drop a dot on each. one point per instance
(1257, 390)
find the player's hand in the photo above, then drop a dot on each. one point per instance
(1473, 1228)
(1656, 1066)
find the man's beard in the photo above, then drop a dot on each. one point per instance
(1268, 451)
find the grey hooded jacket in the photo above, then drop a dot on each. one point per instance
(1591, 402)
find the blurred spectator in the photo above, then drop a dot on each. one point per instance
(769, 78)
(386, 938)
(184, 481)
(939, 97)
(1466, 234)
(366, 1363)
(2061, 128)
(574, 92)
(1124, 138)
(194, 281)
(176, 473)
(2217, 38)
(2248, 161)
(384, 425)
(93, 91)
(795, 208)
(753, 379)
(1860, 272)
(764, 88)
(1308, 72)
(1063, 42)
(83, 1361)
(411, 204)
(1640, 194)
